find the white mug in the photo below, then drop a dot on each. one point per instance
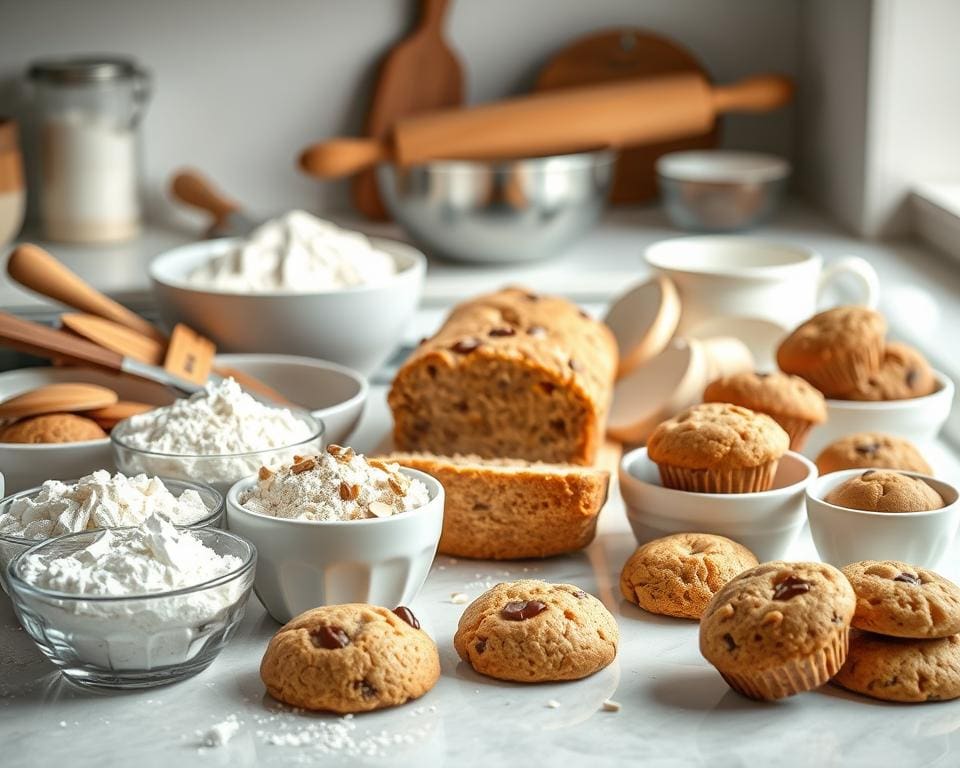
(757, 291)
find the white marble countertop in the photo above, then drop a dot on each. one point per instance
(676, 710)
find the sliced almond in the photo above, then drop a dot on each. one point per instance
(264, 473)
(334, 450)
(349, 491)
(379, 509)
(397, 486)
(303, 466)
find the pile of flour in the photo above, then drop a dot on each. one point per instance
(298, 253)
(337, 484)
(98, 501)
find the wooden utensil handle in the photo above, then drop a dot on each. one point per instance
(754, 94)
(192, 188)
(34, 268)
(432, 13)
(342, 157)
(36, 339)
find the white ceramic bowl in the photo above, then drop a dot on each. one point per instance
(358, 327)
(304, 564)
(844, 536)
(334, 394)
(766, 523)
(918, 419)
(27, 466)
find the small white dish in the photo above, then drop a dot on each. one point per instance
(29, 465)
(334, 394)
(843, 536)
(767, 523)
(303, 564)
(358, 327)
(918, 419)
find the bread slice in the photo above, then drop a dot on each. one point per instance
(508, 509)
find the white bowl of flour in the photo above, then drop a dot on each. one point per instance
(279, 296)
(216, 436)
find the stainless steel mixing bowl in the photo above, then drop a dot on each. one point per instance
(499, 210)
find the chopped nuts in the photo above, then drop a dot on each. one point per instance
(349, 491)
(379, 509)
(397, 486)
(609, 705)
(264, 473)
(334, 450)
(302, 466)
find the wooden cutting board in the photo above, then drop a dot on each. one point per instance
(421, 73)
(620, 55)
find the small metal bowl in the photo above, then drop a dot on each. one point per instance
(720, 190)
(499, 210)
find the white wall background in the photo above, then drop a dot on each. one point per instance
(241, 85)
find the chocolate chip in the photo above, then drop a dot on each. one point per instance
(499, 332)
(574, 365)
(532, 296)
(330, 638)
(790, 587)
(521, 610)
(537, 331)
(867, 449)
(465, 346)
(461, 406)
(421, 425)
(432, 371)
(911, 378)
(407, 615)
(548, 387)
(481, 645)
(584, 315)
(423, 340)
(868, 474)
(366, 688)
(580, 594)
(908, 578)
(558, 425)
(731, 643)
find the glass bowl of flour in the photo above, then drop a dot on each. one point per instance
(100, 500)
(217, 436)
(133, 607)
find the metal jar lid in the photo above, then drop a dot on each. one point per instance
(76, 70)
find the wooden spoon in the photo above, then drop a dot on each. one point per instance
(57, 398)
(420, 74)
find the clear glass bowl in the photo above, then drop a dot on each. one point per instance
(11, 546)
(219, 470)
(137, 641)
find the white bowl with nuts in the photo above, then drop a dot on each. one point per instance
(336, 528)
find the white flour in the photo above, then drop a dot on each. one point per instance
(98, 501)
(337, 484)
(145, 633)
(208, 429)
(298, 253)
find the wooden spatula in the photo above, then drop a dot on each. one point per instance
(114, 336)
(420, 74)
(57, 398)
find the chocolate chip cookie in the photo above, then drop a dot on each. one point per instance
(678, 575)
(350, 658)
(896, 669)
(902, 600)
(866, 450)
(904, 373)
(882, 490)
(532, 632)
(779, 629)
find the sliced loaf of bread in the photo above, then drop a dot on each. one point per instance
(507, 509)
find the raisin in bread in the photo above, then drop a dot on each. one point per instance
(509, 374)
(504, 509)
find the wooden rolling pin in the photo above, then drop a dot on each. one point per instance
(568, 120)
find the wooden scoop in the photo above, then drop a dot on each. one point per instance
(57, 398)
(556, 122)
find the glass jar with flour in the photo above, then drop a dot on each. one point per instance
(89, 117)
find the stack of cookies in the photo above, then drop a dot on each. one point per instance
(906, 646)
(844, 353)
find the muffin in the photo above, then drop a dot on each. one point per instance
(678, 575)
(866, 450)
(779, 629)
(904, 373)
(795, 404)
(882, 490)
(718, 448)
(835, 350)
